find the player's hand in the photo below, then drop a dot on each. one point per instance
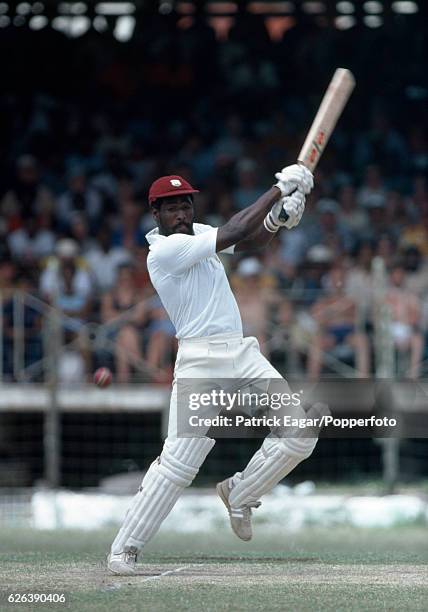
(286, 212)
(294, 207)
(294, 177)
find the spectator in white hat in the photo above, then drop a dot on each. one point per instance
(51, 282)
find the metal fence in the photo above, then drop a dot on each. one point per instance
(69, 433)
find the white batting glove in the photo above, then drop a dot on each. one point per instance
(286, 212)
(294, 177)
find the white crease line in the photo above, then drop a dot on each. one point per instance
(167, 573)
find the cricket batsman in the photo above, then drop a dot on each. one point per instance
(192, 284)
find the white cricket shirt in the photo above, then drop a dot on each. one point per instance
(192, 283)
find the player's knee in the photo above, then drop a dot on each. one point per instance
(298, 448)
(181, 459)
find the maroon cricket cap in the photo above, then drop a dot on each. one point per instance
(168, 186)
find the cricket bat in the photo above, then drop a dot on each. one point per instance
(332, 105)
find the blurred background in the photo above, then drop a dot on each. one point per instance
(100, 98)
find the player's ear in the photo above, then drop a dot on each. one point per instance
(155, 211)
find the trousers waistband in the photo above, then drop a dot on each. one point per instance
(215, 338)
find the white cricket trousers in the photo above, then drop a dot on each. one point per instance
(211, 358)
(218, 357)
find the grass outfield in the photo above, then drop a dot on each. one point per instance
(336, 569)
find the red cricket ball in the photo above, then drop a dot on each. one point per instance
(103, 377)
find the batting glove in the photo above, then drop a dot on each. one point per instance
(286, 212)
(294, 177)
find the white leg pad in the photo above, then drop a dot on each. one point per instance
(270, 464)
(162, 485)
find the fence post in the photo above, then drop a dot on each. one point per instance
(18, 335)
(1, 338)
(52, 421)
(385, 368)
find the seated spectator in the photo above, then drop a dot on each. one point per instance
(124, 312)
(373, 185)
(128, 233)
(385, 249)
(308, 280)
(377, 220)
(255, 296)
(229, 146)
(328, 230)
(284, 340)
(52, 280)
(79, 198)
(28, 196)
(80, 232)
(351, 216)
(142, 278)
(29, 331)
(293, 246)
(161, 343)
(105, 260)
(416, 235)
(405, 313)
(336, 316)
(248, 189)
(359, 280)
(75, 308)
(416, 268)
(31, 242)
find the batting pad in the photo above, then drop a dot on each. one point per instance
(162, 485)
(271, 463)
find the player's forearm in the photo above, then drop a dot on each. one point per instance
(245, 223)
(258, 240)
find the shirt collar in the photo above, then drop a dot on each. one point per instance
(154, 235)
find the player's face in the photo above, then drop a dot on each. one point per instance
(175, 216)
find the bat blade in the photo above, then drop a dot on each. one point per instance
(332, 105)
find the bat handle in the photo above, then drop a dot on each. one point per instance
(283, 216)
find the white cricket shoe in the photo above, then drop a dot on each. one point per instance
(240, 518)
(123, 564)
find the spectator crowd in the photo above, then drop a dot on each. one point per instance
(74, 213)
